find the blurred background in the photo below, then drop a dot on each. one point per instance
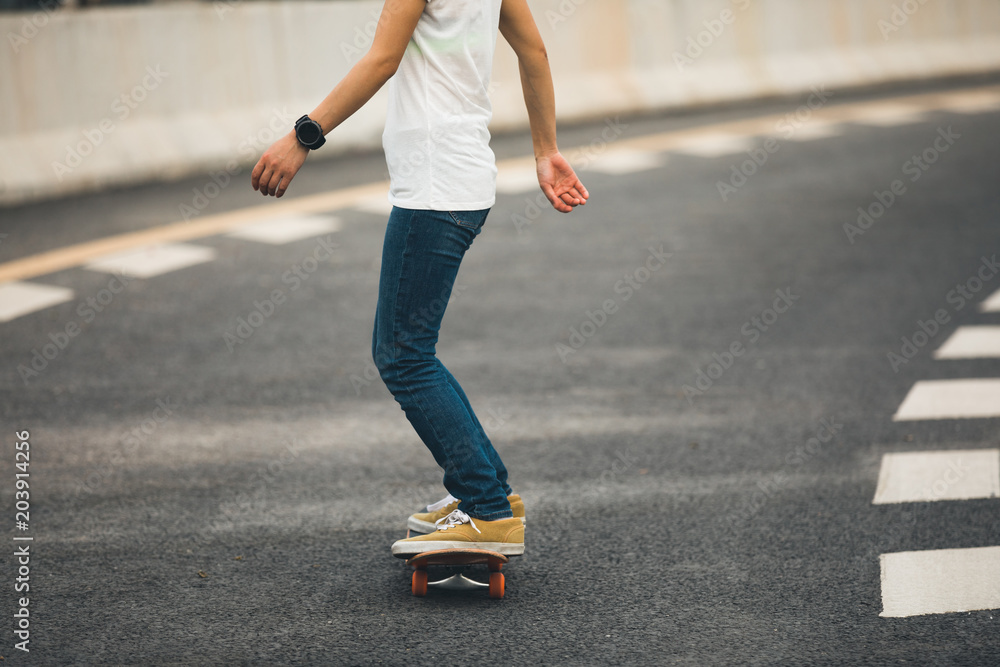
(82, 110)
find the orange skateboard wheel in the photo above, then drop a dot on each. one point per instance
(418, 584)
(496, 585)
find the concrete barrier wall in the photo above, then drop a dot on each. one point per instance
(118, 95)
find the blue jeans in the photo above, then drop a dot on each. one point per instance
(420, 260)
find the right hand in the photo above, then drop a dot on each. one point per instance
(278, 166)
(560, 183)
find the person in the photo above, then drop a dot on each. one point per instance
(437, 56)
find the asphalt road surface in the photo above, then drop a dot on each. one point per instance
(694, 381)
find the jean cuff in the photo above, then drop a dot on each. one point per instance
(495, 516)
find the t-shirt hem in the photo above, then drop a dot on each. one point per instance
(442, 206)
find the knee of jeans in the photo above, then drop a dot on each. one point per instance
(384, 360)
(401, 371)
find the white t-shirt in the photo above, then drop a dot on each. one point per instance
(436, 139)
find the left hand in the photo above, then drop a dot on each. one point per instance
(560, 183)
(278, 166)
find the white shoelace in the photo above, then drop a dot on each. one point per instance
(456, 518)
(434, 507)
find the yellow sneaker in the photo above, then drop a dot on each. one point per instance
(426, 522)
(460, 531)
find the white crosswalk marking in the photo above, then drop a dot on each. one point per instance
(980, 101)
(21, 298)
(940, 581)
(889, 115)
(149, 261)
(279, 231)
(992, 304)
(911, 477)
(945, 581)
(375, 205)
(714, 144)
(626, 162)
(951, 399)
(973, 342)
(814, 130)
(515, 180)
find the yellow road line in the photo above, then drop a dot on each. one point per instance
(838, 113)
(81, 253)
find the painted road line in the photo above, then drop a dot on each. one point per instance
(992, 304)
(153, 260)
(940, 581)
(973, 102)
(17, 298)
(624, 162)
(279, 231)
(972, 342)
(713, 144)
(517, 180)
(951, 399)
(77, 255)
(814, 130)
(889, 114)
(916, 477)
(81, 253)
(378, 205)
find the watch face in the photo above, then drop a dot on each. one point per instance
(309, 133)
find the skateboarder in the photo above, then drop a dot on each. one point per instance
(437, 56)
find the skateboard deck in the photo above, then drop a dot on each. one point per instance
(493, 561)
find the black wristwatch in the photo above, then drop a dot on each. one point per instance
(309, 133)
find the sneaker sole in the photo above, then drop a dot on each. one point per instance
(505, 548)
(426, 527)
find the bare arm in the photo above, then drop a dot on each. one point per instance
(555, 175)
(279, 164)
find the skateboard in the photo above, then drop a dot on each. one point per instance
(457, 557)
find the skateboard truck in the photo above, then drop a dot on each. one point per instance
(494, 561)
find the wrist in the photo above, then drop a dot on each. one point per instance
(308, 133)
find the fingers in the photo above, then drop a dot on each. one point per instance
(577, 195)
(575, 188)
(255, 175)
(573, 197)
(268, 181)
(265, 181)
(278, 180)
(565, 201)
(279, 188)
(262, 176)
(550, 194)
